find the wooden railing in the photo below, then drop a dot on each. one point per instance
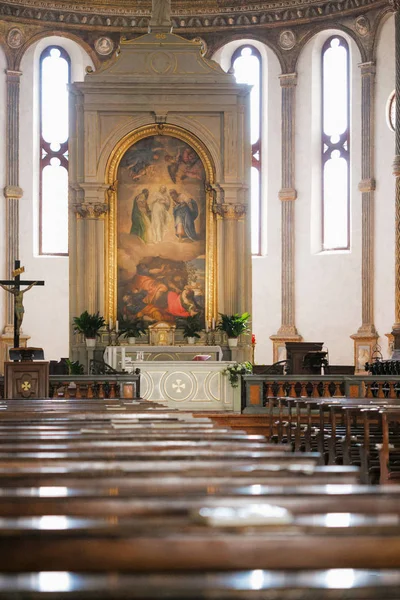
(91, 386)
(260, 388)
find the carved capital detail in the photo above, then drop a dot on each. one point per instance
(286, 194)
(91, 210)
(13, 192)
(395, 4)
(367, 68)
(288, 79)
(230, 210)
(367, 185)
(396, 165)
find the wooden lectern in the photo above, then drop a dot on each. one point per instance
(25, 378)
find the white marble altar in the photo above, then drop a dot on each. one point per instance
(122, 357)
(188, 385)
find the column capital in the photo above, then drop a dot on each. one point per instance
(12, 74)
(90, 210)
(367, 68)
(289, 79)
(230, 210)
(13, 192)
(287, 194)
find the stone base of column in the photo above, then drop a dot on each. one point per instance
(285, 334)
(7, 342)
(364, 342)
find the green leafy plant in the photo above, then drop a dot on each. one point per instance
(192, 327)
(88, 324)
(236, 370)
(74, 367)
(131, 327)
(234, 325)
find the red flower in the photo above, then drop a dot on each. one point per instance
(253, 338)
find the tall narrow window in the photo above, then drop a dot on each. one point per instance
(246, 64)
(335, 145)
(53, 205)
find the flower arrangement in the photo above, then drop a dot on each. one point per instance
(234, 371)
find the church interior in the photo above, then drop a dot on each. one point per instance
(200, 299)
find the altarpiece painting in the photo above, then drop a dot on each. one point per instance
(161, 231)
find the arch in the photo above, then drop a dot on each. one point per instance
(111, 171)
(333, 29)
(237, 40)
(58, 34)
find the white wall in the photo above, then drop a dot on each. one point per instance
(385, 187)
(46, 318)
(328, 284)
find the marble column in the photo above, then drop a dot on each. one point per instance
(396, 173)
(287, 195)
(366, 335)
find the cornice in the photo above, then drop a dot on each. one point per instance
(208, 16)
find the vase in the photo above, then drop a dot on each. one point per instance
(90, 342)
(191, 340)
(131, 341)
(232, 342)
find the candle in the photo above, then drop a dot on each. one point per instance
(213, 325)
(110, 325)
(116, 326)
(206, 326)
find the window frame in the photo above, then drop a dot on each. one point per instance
(340, 145)
(45, 146)
(257, 146)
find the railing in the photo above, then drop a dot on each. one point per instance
(260, 388)
(91, 386)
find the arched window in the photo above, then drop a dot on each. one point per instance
(55, 69)
(246, 65)
(335, 145)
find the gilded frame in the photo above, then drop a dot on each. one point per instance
(111, 219)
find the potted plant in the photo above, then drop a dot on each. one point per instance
(191, 328)
(234, 325)
(131, 329)
(89, 325)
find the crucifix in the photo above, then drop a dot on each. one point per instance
(18, 294)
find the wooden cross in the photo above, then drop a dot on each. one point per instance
(18, 296)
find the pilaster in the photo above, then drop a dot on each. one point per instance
(396, 173)
(287, 195)
(366, 336)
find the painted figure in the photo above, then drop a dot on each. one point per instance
(140, 217)
(186, 212)
(160, 12)
(159, 213)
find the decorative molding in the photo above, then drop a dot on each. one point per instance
(90, 210)
(230, 210)
(287, 194)
(367, 185)
(128, 15)
(396, 166)
(288, 79)
(13, 191)
(287, 39)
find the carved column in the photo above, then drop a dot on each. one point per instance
(366, 336)
(12, 195)
(12, 191)
(287, 195)
(89, 259)
(396, 173)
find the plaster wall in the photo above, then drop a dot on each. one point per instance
(385, 187)
(46, 318)
(3, 234)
